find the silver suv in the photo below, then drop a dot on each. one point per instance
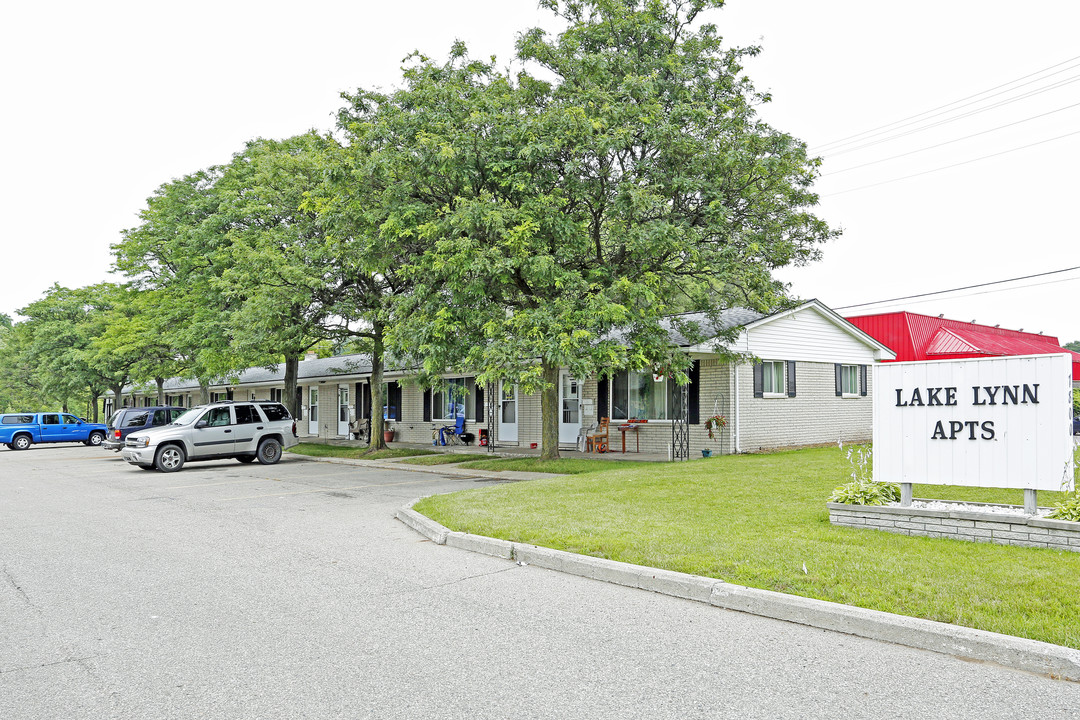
(247, 431)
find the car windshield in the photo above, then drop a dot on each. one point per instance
(189, 417)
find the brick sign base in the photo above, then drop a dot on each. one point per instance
(974, 526)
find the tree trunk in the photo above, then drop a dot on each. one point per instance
(94, 402)
(160, 390)
(118, 396)
(549, 411)
(378, 424)
(292, 372)
(204, 391)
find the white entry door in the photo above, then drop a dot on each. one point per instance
(508, 423)
(343, 410)
(569, 409)
(313, 411)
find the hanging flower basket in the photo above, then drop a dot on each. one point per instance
(714, 425)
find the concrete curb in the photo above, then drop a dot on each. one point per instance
(981, 645)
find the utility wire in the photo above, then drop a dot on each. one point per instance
(950, 142)
(973, 294)
(947, 167)
(966, 287)
(941, 107)
(946, 121)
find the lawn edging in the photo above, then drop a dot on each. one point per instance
(981, 645)
(973, 526)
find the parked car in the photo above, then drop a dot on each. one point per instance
(247, 431)
(20, 430)
(1076, 425)
(127, 420)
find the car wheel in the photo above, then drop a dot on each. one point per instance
(21, 442)
(169, 458)
(95, 438)
(245, 458)
(269, 451)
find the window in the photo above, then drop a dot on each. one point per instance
(641, 396)
(449, 404)
(851, 380)
(391, 401)
(50, 419)
(218, 397)
(772, 377)
(509, 403)
(161, 417)
(17, 419)
(217, 417)
(246, 415)
(275, 394)
(135, 419)
(274, 411)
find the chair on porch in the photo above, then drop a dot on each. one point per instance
(361, 429)
(597, 440)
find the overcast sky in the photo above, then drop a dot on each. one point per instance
(103, 102)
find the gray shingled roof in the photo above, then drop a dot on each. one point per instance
(361, 364)
(307, 370)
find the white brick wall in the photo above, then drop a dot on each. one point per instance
(815, 416)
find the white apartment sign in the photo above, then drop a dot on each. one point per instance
(998, 422)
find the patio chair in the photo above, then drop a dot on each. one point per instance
(455, 434)
(583, 437)
(597, 440)
(361, 429)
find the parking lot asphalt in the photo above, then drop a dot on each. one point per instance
(290, 591)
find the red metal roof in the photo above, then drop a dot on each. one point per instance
(922, 337)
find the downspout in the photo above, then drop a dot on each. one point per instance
(737, 423)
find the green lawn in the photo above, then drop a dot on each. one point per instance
(756, 519)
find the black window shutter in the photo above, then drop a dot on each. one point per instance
(759, 380)
(479, 403)
(367, 400)
(839, 379)
(791, 378)
(427, 405)
(602, 410)
(393, 401)
(862, 380)
(692, 394)
(228, 396)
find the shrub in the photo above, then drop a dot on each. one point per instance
(1067, 509)
(866, 492)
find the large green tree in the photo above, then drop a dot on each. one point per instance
(568, 209)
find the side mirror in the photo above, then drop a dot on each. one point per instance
(201, 424)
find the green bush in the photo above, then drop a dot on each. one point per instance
(866, 492)
(1067, 509)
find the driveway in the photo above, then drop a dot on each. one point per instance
(290, 591)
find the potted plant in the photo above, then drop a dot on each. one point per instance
(713, 426)
(388, 434)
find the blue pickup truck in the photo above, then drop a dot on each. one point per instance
(20, 430)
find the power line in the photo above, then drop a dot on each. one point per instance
(947, 167)
(950, 142)
(941, 107)
(958, 289)
(981, 292)
(946, 121)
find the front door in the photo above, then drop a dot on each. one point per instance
(570, 409)
(508, 427)
(343, 410)
(313, 411)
